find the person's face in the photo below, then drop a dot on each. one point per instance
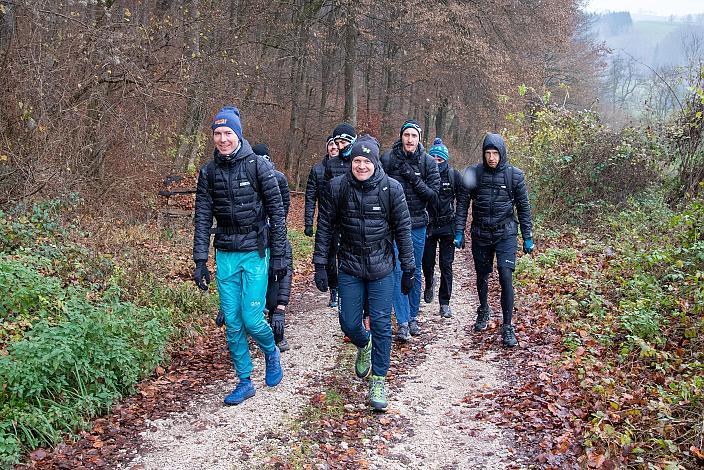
(362, 168)
(341, 144)
(225, 139)
(333, 151)
(439, 160)
(409, 139)
(491, 156)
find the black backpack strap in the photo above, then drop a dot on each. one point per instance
(251, 167)
(211, 177)
(508, 180)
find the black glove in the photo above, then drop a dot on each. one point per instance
(277, 322)
(308, 231)
(201, 275)
(321, 278)
(407, 281)
(406, 171)
(220, 318)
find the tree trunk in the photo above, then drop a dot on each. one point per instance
(350, 113)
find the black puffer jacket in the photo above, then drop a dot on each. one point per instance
(366, 233)
(240, 211)
(492, 208)
(314, 190)
(422, 194)
(442, 214)
(284, 190)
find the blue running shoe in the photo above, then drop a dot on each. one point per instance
(274, 373)
(243, 390)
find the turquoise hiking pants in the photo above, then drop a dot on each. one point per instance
(242, 280)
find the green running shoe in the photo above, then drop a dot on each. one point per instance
(377, 393)
(363, 363)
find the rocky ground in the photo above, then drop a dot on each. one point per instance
(440, 388)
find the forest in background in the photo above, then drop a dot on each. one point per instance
(109, 97)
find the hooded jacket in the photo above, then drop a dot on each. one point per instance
(240, 210)
(366, 233)
(425, 191)
(492, 208)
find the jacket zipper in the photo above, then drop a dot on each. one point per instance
(364, 237)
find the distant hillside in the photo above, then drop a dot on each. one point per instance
(664, 42)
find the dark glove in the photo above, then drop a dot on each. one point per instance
(277, 322)
(459, 239)
(528, 246)
(407, 282)
(278, 268)
(308, 231)
(220, 318)
(407, 172)
(321, 278)
(201, 275)
(279, 274)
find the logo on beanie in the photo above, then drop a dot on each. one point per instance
(366, 149)
(220, 121)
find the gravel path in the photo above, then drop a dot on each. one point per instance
(442, 431)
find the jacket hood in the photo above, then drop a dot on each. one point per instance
(497, 142)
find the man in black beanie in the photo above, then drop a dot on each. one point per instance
(409, 164)
(369, 209)
(315, 188)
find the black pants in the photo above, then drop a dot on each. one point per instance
(504, 251)
(331, 267)
(447, 257)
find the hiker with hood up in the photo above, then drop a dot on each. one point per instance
(496, 190)
(371, 213)
(239, 189)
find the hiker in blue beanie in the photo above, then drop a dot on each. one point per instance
(409, 164)
(496, 190)
(441, 230)
(239, 189)
(371, 212)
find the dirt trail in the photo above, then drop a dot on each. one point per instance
(441, 429)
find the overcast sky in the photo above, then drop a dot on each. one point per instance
(658, 7)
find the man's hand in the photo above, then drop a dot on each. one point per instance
(407, 279)
(201, 275)
(459, 239)
(277, 322)
(528, 246)
(308, 231)
(407, 172)
(220, 318)
(321, 278)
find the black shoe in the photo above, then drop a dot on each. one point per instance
(413, 328)
(508, 336)
(483, 315)
(445, 311)
(283, 345)
(402, 333)
(428, 293)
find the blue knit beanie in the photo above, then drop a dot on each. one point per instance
(411, 124)
(228, 116)
(439, 150)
